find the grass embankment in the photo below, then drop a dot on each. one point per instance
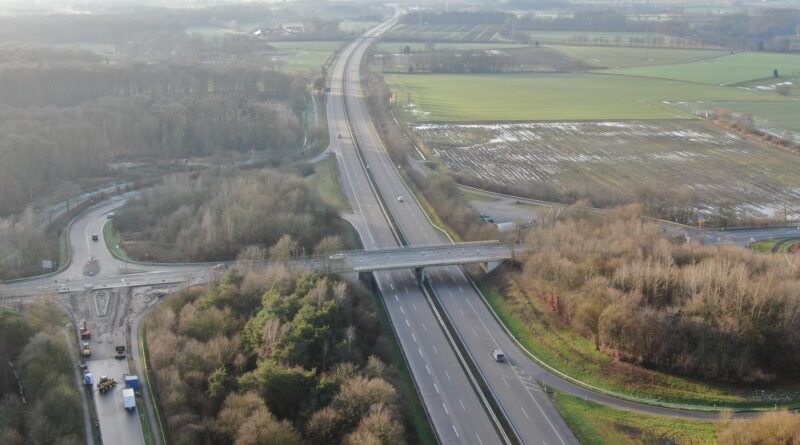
(326, 181)
(558, 96)
(575, 355)
(113, 241)
(595, 424)
(774, 245)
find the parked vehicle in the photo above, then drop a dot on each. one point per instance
(86, 349)
(128, 399)
(106, 384)
(88, 379)
(131, 381)
(85, 332)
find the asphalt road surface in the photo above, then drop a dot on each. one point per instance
(530, 412)
(454, 407)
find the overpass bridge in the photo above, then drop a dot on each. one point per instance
(487, 253)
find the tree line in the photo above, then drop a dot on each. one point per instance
(39, 401)
(275, 357)
(219, 214)
(721, 313)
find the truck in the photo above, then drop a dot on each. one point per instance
(128, 399)
(85, 332)
(86, 349)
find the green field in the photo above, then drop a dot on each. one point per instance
(595, 424)
(397, 47)
(352, 26)
(784, 114)
(728, 70)
(612, 57)
(606, 38)
(553, 97)
(306, 56)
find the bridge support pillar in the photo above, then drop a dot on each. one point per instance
(420, 274)
(490, 265)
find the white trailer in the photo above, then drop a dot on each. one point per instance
(128, 399)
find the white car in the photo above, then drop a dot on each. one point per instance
(401, 199)
(88, 286)
(499, 356)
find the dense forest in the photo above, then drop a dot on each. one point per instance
(64, 123)
(281, 357)
(719, 313)
(69, 120)
(217, 214)
(47, 410)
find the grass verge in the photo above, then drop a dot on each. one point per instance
(63, 248)
(595, 424)
(145, 421)
(416, 412)
(571, 353)
(326, 181)
(148, 376)
(113, 241)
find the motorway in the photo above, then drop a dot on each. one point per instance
(529, 411)
(454, 407)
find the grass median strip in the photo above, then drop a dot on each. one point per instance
(113, 241)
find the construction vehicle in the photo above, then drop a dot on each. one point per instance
(86, 349)
(128, 399)
(120, 352)
(85, 332)
(106, 384)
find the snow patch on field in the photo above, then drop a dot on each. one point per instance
(612, 162)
